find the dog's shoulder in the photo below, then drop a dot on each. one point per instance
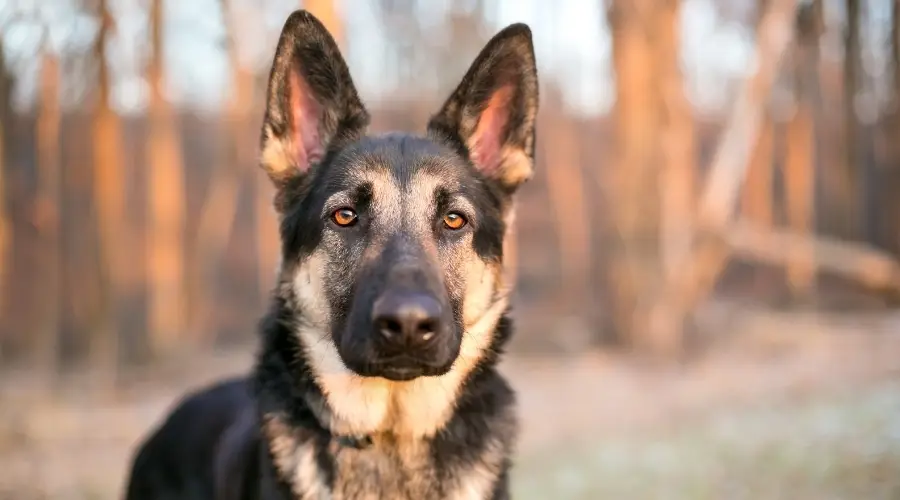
(174, 457)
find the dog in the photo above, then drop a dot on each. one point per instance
(377, 372)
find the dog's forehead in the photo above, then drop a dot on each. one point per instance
(399, 162)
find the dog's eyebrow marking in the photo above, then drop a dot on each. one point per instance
(336, 200)
(454, 201)
(357, 196)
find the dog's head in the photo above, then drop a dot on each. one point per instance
(393, 245)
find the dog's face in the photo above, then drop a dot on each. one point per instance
(393, 245)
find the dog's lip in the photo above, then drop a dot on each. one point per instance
(406, 362)
(404, 368)
(401, 373)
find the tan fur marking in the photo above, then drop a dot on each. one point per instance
(277, 157)
(478, 482)
(517, 166)
(387, 196)
(393, 467)
(295, 459)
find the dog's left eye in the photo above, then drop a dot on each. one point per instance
(454, 221)
(344, 217)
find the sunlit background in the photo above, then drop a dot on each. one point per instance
(706, 260)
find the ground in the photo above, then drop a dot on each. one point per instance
(787, 405)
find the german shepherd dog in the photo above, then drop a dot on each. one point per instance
(376, 377)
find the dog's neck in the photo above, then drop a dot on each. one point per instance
(354, 409)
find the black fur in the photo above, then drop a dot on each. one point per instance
(278, 433)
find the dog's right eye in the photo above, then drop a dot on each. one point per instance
(344, 217)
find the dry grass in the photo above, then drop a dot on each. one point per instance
(843, 446)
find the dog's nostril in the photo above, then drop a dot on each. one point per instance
(426, 328)
(390, 327)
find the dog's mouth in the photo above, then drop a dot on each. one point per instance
(402, 368)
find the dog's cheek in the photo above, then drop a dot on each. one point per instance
(453, 258)
(309, 284)
(339, 279)
(481, 283)
(470, 279)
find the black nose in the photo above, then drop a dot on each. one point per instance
(407, 319)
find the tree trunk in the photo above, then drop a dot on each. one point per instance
(108, 191)
(48, 217)
(800, 159)
(5, 228)
(634, 265)
(165, 238)
(891, 145)
(757, 201)
(218, 212)
(894, 160)
(697, 273)
(849, 197)
(6, 235)
(677, 179)
(655, 151)
(565, 186)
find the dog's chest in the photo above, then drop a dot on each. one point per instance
(385, 470)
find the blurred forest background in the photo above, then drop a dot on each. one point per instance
(708, 172)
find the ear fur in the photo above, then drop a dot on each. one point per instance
(311, 102)
(490, 116)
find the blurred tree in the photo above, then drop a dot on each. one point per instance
(801, 155)
(166, 196)
(5, 223)
(677, 181)
(565, 183)
(634, 262)
(48, 217)
(218, 212)
(566, 188)
(757, 200)
(890, 135)
(849, 198)
(654, 151)
(895, 66)
(109, 199)
(697, 273)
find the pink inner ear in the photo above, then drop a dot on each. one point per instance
(485, 143)
(305, 116)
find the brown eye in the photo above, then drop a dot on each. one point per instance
(454, 221)
(344, 217)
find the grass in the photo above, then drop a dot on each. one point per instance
(845, 447)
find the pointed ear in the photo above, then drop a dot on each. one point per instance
(490, 116)
(311, 102)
